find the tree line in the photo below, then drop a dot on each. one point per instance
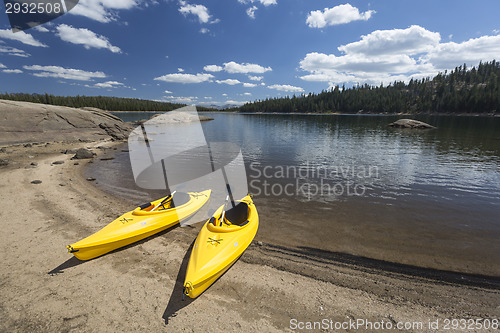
(101, 102)
(463, 90)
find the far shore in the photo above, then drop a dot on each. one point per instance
(340, 113)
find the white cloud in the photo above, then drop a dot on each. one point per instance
(398, 54)
(225, 95)
(13, 51)
(64, 73)
(185, 78)
(230, 82)
(286, 87)
(168, 92)
(323, 63)
(204, 30)
(2, 65)
(362, 69)
(181, 99)
(449, 55)
(263, 2)
(255, 78)
(12, 71)
(102, 10)
(180, 70)
(236, 68)
(247, 94)
(109, 84)
(199, 11)
(236, 102)
(21, 36)
(251, 11)
(340, 14)
(410, 41)
(249, 85)
(212, 68)
(41, 28)
(84, 37)
(233, 67)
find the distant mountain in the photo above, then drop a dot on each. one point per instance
(463, 90)
(230, 106)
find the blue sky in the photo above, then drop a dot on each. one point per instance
(208, 52)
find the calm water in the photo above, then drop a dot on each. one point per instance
(349, 183)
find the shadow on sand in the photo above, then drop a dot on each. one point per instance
(73, 261)
(176, 302)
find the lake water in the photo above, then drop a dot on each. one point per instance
(350, 184)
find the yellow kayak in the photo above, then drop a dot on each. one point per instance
(219, 244)
(140, 223)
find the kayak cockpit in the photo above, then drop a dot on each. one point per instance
(238, 214)
(163, 204)
(235, 218)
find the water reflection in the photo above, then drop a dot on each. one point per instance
(435, 193)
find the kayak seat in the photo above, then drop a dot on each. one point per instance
(144, 206)
(179, 199)
(238, 214)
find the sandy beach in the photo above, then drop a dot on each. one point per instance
(138, 288)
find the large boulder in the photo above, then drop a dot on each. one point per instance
(83, 153)
(410, 123)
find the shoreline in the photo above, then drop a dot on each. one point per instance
(450, 273)
(486, 115)
(137, 287)
(383, 241)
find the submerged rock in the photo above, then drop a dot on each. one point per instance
(410, 123)
(205, 118)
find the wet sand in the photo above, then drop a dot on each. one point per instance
(138, 288)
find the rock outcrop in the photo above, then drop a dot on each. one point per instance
(410, 123)
(22, 122)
